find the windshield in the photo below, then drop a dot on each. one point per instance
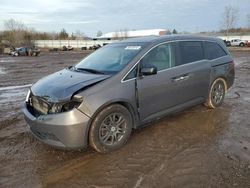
(109, 59)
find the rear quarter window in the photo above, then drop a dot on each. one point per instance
(213, 50)
(191, 51)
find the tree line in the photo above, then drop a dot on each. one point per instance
(229, 21)
(16, 33)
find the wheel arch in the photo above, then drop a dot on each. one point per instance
(124, 103)
(224, 79)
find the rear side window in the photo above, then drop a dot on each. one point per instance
(213, 50)
(191, 51)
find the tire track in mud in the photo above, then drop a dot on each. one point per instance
(154, 157)
(15, 87)
(19, 156)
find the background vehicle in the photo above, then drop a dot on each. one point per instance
(67, 48)
(95, 47)
(238, 42)
(227, 42)
(124, 85)
(248, 43)
(25, 51)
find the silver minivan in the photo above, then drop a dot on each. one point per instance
(124, 85)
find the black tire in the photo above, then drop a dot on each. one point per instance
(242, 44)
(216, 93)
(110, 129)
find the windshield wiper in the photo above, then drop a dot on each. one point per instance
(89, 70)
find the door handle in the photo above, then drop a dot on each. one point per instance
(183, 77)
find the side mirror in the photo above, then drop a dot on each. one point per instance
(146, 71)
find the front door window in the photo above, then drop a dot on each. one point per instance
(161, 57)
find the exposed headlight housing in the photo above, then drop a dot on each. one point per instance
(66, 106)
(55, 108)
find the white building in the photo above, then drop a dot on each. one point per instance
(135, 33)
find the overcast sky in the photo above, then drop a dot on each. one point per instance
(113, 15)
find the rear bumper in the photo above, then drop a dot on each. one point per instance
(68, 130)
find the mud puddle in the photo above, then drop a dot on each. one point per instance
(10, 102)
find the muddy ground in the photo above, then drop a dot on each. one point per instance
(194, 148)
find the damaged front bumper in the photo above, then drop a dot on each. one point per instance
(67, 130)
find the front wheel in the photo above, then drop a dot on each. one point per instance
(217, 93)
(110, 129)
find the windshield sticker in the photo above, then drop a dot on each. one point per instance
(133, 48)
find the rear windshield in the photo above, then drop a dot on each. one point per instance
(111, 58)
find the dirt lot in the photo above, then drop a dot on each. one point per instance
(194, 148)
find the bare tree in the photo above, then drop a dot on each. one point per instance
(13, 25)
(116, 35)
(79, 35)
(229, 19)
(16, 31)
(63, 34)
(99, 33)
(122, 34)
(125, 33)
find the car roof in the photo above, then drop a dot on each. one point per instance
(159, 39)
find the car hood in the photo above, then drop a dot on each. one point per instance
(61, 85)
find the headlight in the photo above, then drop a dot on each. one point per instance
(66, 106)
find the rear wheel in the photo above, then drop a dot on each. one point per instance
(242, 44)
(216, 93)
(110, 129)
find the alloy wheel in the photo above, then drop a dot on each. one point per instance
(218, 92)
(112, 129)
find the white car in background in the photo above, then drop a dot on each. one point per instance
(238, 42)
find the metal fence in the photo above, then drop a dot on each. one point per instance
(73, 43)
(89, 43)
